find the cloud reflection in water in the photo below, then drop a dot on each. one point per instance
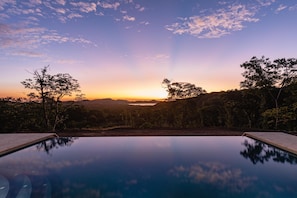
(214, 173)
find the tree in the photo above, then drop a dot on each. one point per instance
(49, 91)
(181, 90)
(262, 73)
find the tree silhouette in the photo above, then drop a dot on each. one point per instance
(49, 91)
(181, 90)
(262, 73)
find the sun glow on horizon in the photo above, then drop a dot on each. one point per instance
(125, 50)
(131, 95)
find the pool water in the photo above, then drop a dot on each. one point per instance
(149, 167)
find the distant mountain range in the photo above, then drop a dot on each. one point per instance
(108, 102)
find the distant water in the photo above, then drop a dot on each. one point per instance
(143, 104)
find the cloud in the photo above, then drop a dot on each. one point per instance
(32, 19)
(139, 8)
(3, 16)
(128, 18)
(159, 57)
(52, 36)
(63, 10)
(100, 14)
(106, 5)
(144, 23)
(215, 25)
(23, 37)
(4, 3)
(281, 8)
(85, 7)
(35, 2)
(293, 8)
(48, 5)
(265, 2)
(60, 10)
(27, 54)
(74, 15)
(28, 11)
(61, 2)
(67, 61)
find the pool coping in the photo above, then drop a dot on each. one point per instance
(280, 140)
(10, 142)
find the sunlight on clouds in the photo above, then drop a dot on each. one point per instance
(75, 15)
(265, 2)
(280, 8)
(128, 18)
(30, 33)
(85, 7)
(27, 54)
(215, 25)
(61, 2)
(61, 10)
(4, 2)
(107, 5)
(144, 22)
(162, 56)
(139, 8)
(158, 57)
(64, 11)
(19, 37)
(67, 61)
(23, 37)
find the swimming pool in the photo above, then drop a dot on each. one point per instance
(192, 166)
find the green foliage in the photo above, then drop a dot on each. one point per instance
(286, 115)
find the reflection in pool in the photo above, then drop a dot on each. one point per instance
(149, 167)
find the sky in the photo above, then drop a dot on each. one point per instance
(123, 49)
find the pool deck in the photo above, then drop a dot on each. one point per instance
(11, 142)
(280, 140)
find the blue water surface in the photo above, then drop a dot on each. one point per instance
(195, 166)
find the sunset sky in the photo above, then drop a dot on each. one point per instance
(123, 49)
